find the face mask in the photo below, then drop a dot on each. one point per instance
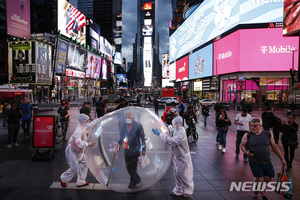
(128, 121)
(63, 104)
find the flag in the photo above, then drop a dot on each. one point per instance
(77, 21)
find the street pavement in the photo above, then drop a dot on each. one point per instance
(22, 178)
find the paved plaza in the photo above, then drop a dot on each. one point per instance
(22, 178)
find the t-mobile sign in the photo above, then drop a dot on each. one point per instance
(182, 69)
(255, 50)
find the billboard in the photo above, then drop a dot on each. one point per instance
(104, 70)
(118, 58)
(214, 17)
(291, 20)
(147, 30)
(43, 55)
(94, 35)
(172, 76)
(93, 66)
(255, 50)
(105, 47)
(76, 57)
(200, 63)
(75, 73)
(147, 6)
(165, 66)
(43, 131)
(21, 62)
(121, 77)
(71, 22)
(61, 56)
(18, 18)
(182, 69)
(147, 60)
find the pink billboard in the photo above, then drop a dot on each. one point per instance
(18, 18)
(182, 69)
(255, 50)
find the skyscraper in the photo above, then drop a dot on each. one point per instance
(85, 7)
(147, 41)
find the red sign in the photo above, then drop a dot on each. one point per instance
(182, 69)
(184, 87)
(43, 131)
(147, 6)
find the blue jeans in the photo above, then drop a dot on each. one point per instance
(223, 135)
(4, 124)
(219, 139)
(26, 126)
(205, 119)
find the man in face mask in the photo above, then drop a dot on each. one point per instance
(64, 113)
(132, 137)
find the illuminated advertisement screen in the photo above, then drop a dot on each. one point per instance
(255, 50)
(104, 69)
(118, 58)
(121, 77)
(200, 63)
(94, 30)
(76, 57)
(61, 56)
(43, 131)
(165, 66)
(21, 62)
(105, 46)
(172, 76)
(71, 22)
(75, 73)
(18, 18)
(147, 6)
(43, 63)
(93, 66)
(214, 17)
(147, 63)
(147, 30)
(182, 69)
(291, 20)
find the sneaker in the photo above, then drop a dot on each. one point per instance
(86, 183)
(9, 146)
(245, 159)
(63, 184)
(17, 145)
(220, 147)
(224, 150)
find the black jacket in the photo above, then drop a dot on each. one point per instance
(14, 117)
(268, 119)
(289, 134)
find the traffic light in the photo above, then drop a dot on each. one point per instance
(292, 72)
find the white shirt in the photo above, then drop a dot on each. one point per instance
(244, 120)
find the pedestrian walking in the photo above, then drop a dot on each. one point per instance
(258, 143)
(100, 109)
(85, 110)
(122, 104)
(205, 113)
(155, 105)
(14, 116)
(234, 102)
(182, 161)
(268, 119)
(6, 107)
(75, 154)
(293, 108)
(217, 126)
(181, 109)
(276, 128)
(289, 140)
(223, 126)
(242, 120)
(27, 113)
(64, 113)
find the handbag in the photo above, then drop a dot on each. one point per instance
(143, 161)
(287, 191)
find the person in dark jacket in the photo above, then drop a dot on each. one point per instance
(223, 124)
(289, 139)
(5, 109)
(122, 104)
(205, 113)
(85, 110)
(155, 105)
(276, 128)
(14, 116)
(170, 116)
(190, 115)
(268, 119)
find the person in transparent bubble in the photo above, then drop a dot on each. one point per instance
(132, 137)
(75, 154)
(182, 161)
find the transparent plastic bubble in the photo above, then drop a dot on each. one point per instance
(106, 132)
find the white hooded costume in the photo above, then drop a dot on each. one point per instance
(182, 161)
(75, 153)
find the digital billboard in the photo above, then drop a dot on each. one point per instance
(94, 35)
(147, 6)
(118, 58)
(93, 66)
(165, 66)
(147, 60)
(214, 17)
(76, 57)
(105, 47)
(255, 50)
(172, 76)
(71, 22)
(21, 62)
(61, 56)
(43, 55)
(18, 18)
(104, 69)
(182, 69)
(200, 63)
(121, 77)
(147, 30)
(291, 20)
